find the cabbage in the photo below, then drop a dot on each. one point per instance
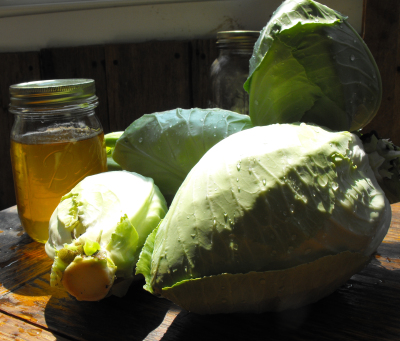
(271, 218)
(310, 65)
(98, 230)
(165, 146)
(111, 140)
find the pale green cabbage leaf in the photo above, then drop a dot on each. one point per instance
(271, 218)
(98, 230)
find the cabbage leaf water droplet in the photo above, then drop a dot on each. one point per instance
(174, 142)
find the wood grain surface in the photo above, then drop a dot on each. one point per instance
(365, 308)
(203, 53)
(14, 68)
(79, 62)
(382, 36)
(145, 78)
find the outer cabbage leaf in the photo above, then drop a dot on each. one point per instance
(274, 290)
(310, 65)
(290, 201)
(102, 224)
(123, 241)
(165, 146)
(110, 140)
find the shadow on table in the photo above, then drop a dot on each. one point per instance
(365, 308)
(350, 313)
(12, 235)
(131, 317)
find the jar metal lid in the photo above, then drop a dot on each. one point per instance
(237, 39)
(53, 94)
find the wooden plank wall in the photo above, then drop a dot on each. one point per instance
(14, 68)
(382, 35)
(131, 80)
(134, 79)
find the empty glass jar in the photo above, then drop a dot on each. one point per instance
(231, 69)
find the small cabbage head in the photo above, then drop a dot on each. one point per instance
(98, 230)
(166, 145)
(310, 65)
(271, 218)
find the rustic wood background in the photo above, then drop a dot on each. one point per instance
(139, 78)
(131, 80)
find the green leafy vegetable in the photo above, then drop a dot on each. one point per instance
(122, 242)
(310, 65)
(110, 140)
(91, 247)
(98, 230)
(165, 146)
(270, 218)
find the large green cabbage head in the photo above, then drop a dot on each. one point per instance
(98, 230)
(271, 218)
(310, 65)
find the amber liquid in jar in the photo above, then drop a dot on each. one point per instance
(45, 171)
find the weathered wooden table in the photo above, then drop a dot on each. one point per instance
(367, 307)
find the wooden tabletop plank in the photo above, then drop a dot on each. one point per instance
(21, 259)
(14, 329)
(132, 317)
(365, 308)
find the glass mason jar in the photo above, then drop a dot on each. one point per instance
(231, 69)
(56, 141)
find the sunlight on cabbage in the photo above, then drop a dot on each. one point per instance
(310, 65)
(271, 218)
(98, 230)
